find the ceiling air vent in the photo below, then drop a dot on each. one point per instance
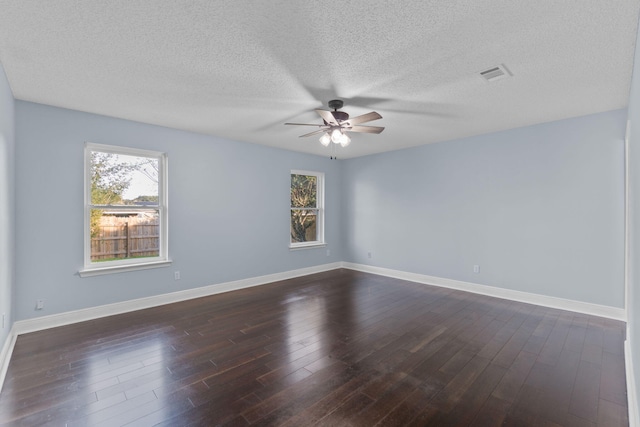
(495, 73)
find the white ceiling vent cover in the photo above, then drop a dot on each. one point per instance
(495, 73)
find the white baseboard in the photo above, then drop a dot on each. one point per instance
(67, 318)
(526, 297)
(632, 392)
(61, 319)
(5, 355)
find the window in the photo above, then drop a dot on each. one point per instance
(307, 209)
(125, 209)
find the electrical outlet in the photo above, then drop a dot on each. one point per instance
(476, 269)
(3, 319)
(176, 275)
(328, 252)
(368, 254)
(39, 304)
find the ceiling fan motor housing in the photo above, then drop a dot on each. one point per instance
(340, 116)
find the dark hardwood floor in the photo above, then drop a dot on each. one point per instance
(332, 349)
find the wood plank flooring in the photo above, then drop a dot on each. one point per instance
(340, 348)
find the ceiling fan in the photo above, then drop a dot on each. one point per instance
(336, 124)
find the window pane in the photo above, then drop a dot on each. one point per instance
(118, 179)
(303, 225)
(124, 235)
(303, 191)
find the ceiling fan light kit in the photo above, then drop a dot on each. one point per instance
(338, 137)
(325, 139)
(336, 124)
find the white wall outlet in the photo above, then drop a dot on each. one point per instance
(39, 304)
(476, 269)
(328, 252)
(368, 254)
(176, 275)
(4, 315)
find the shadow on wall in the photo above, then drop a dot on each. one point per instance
(5, 236)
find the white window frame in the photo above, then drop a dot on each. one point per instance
(117, 266)
(319, 208)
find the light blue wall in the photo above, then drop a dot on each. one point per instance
(540, 209)
(7, 202)
(228, 203)
(633, 268)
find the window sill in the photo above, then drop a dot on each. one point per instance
(98, 271)
(307, 246)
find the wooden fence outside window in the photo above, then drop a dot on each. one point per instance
(129, 239)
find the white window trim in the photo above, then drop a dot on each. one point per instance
(319, 207)
(119, 266)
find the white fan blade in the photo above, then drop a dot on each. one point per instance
(364, 118)
(327, 117)
(365, 129)
(315, 132)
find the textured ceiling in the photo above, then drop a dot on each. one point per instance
(240, 69)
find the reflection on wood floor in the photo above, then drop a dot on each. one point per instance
(335, 348)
